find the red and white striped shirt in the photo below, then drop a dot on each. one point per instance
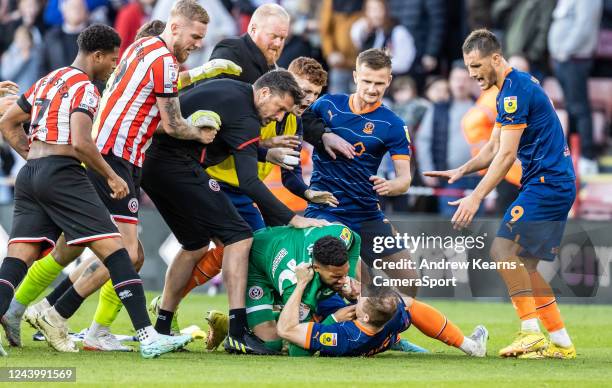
(128, 111)
(51, 101)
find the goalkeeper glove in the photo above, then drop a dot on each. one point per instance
(213, 68)
(205, 118)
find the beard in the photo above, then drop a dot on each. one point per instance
(180, 53)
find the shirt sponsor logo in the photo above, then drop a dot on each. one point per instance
(329, 339)
(279, 256)
(510, 104)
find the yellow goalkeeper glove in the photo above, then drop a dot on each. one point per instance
(213, 68)
(205, 118)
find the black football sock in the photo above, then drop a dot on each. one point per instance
(58, 291)
(128, 287)
(68, 303)
(237, 322)
(164, 321)
(12, 273)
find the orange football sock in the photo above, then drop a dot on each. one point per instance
(546, 304)
(207, 268)
(519, 288)
(434, 324)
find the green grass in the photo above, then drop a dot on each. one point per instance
(589, 326)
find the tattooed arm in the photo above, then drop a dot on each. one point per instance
(12, 130)
(174, 124)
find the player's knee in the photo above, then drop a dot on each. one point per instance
(502, 249)
(266, 331)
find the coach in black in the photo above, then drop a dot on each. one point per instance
(192, 203)
(256, 52)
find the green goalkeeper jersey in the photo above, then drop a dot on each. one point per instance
(274, 255)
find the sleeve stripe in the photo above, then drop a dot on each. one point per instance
(514, 126)
(497, 124)
(246, 143)
(400, 157)
(308, 335)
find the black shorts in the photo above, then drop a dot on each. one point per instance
(126, 209)
(54, 195)
(192, 203)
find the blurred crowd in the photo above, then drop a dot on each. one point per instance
(566, 44)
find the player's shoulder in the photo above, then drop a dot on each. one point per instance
(337, 101)
(385, 113)
(519, 82)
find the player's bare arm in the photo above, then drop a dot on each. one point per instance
(479, 162)
(12, 129)
(397, 186)
(87, 152)
(499, 167)
(289, 327)
(175, 126)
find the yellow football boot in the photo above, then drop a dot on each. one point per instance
(551, 351)
(217, 329)
(525, 342)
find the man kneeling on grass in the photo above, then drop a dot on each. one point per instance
(370, 326)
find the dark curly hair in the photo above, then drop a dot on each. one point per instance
(98, 37)
(330, 250)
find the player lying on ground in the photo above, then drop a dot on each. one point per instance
(150, 66)
(527, 126)
(53, 193)
(370, 326)
(45, 270)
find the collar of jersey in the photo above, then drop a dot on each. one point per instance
(506, 72)
(372, 109)
(365, 330)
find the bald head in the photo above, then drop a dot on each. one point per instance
(269, 28)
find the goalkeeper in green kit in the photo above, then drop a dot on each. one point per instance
(334, 253)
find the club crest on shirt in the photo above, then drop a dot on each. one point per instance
(368, 128)
(510, 104)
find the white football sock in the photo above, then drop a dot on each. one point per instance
(561, 338)
(530, 325)
(147, 335)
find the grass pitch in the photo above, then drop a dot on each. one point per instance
(589, 326)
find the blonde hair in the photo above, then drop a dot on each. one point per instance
(191, 10)
(264, 12)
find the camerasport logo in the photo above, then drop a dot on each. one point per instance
(133, 205)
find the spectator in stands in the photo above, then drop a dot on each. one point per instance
(437, 89)
(303, 39)
(572, 41)
(336, 19)
(54, 14)
(425, 19)
(377, 29)
(221, 26)
(440, 141)
(411, 108)
(60, 43)
(406, 102)
(21, 62)
(130, 18)
(27, 13)
(526, 24)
